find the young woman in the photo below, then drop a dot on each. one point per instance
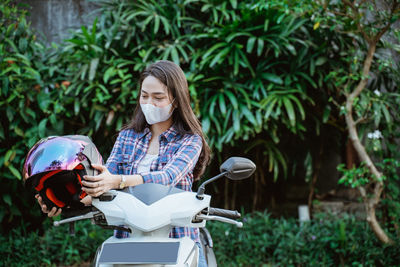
(162, 144)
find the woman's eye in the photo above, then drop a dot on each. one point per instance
(144, 96)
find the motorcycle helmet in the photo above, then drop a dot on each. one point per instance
(55, 165)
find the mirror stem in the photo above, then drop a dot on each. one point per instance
(202, 188)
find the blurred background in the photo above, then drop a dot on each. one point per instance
(269, 80)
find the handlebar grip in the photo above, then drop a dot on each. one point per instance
(232, 214)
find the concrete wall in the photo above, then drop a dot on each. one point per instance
(55, 18)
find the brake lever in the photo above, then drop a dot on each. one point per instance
(219, 218)
(88, 215)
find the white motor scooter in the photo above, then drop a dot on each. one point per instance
(149, 211)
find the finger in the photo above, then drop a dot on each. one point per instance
(92, 191)
(37, 196)
(52, 212)
(91, 184)
(58, 212)
(99, 167)
(44, 208)
(99, 193)
(39, 199)
(87, 200)
(92, 178)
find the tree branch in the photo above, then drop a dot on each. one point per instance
(360, 120)
(357, 21)
(386, 28)
(370, 203)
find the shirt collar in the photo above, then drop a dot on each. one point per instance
(169, 134)
(144, 132)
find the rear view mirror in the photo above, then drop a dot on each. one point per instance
(238, 168)
(235, 168)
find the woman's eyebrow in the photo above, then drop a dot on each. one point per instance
(153, 93)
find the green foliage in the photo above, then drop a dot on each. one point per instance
(53, 248)
(88, 84)
(387, 148)
(390, 201)
(360, 176)
(28, 103)
(349, 17)
(325, 241)
(240, 42)
(354, 177)
(264, 240)
(259, 72)
(377, 105)
(360, 90)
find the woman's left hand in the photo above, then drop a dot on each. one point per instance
(96, 185)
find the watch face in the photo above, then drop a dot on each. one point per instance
(122, 184)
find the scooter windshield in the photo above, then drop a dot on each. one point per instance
(151, 193)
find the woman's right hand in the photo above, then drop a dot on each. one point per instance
(50, 213)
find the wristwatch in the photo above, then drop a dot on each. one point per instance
(122, 184)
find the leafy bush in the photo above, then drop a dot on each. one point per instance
(325, 241)
(263, 241)
(257, 72)
(56, 246)
(246, 63)
(29, 109)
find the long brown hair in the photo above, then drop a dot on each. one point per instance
(184, 119)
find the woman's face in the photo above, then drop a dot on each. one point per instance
(154, 92)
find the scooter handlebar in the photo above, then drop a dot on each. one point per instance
(232, 214)
(88, 215)
(218, 218)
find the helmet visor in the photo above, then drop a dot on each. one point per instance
(53, 153)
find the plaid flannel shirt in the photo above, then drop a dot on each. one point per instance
(177, 157)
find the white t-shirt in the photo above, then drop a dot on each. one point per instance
(145, 163)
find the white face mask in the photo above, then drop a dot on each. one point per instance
(155, 114)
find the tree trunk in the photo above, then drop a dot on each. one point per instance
(373, 222)
(370, 207)
(351, 155)
(370, 203)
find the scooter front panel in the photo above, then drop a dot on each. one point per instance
(139, 253)
(166, 252)
(175, 210)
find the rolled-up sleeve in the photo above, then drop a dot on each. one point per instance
(180, 164)
(112, 161)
